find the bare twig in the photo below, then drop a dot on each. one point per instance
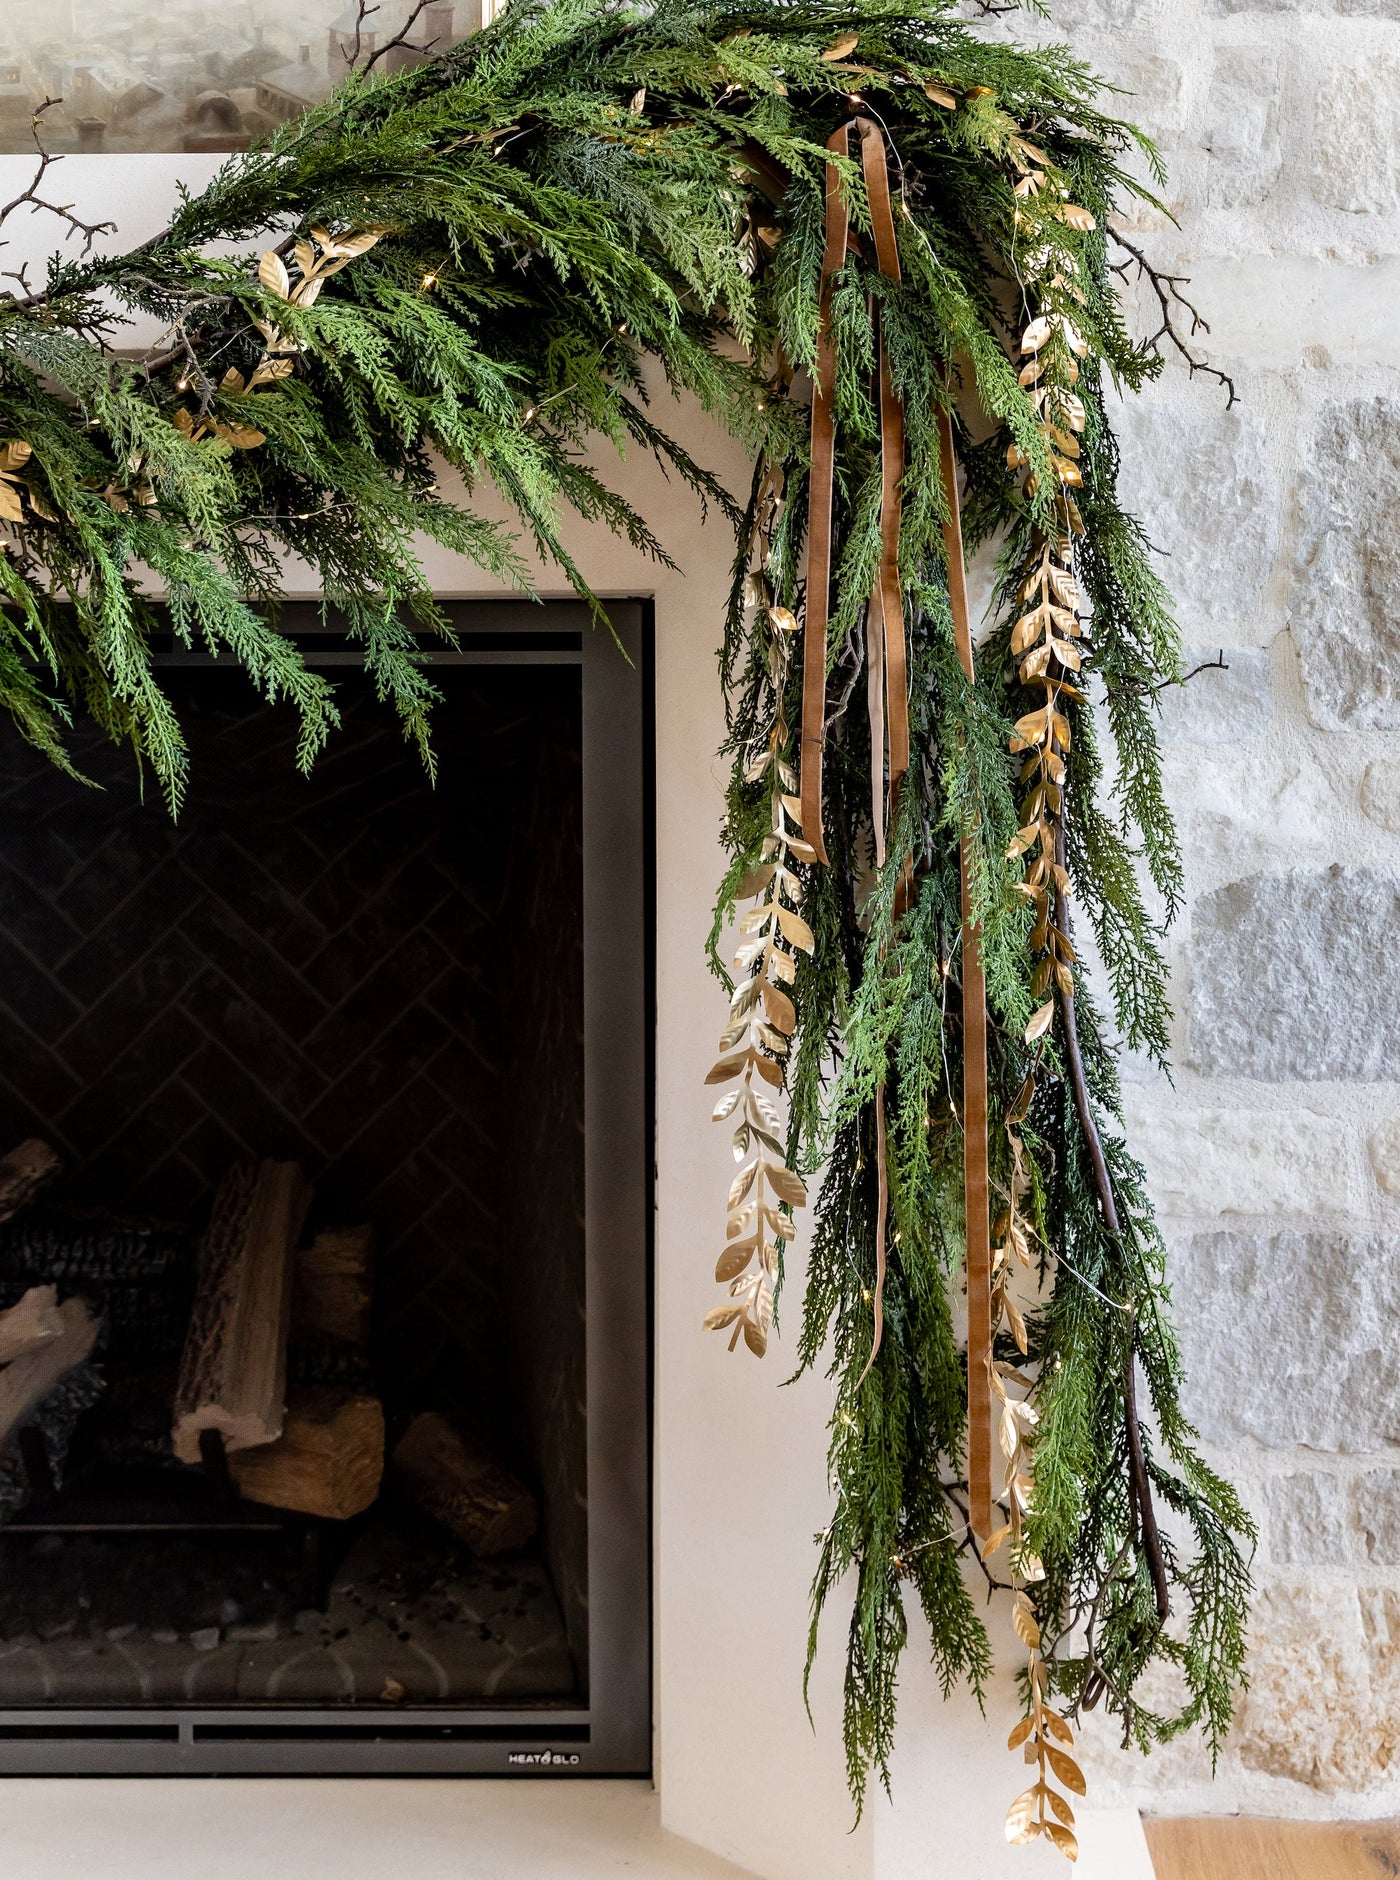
(1097, 1680)
(1172, 303)
(400, 38)
(31, 198)
(967, 1541)
(1218, 664)
(362, 13)
(1135, 687)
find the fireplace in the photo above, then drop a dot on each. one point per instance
(343, 1464)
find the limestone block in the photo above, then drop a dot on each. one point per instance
(1073, 17)
(1377, 1514)
(1323, 1519)
(1221, 706)
(1289, 1338)
(1356, 136)
(1323, 1708)
(1384, 1150)
(1213, 1162)
(1204, 484)
(1241, 133)
(1380, 794)
(1312, 1520)
(1291, 979)
(1157, 87)
(1345, 609)
(1240, 808)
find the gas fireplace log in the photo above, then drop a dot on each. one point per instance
(332, 1287)
(25, 1383)
(34, 1321)
(27, 1168)
(328, 1461)
(453, 1479)
(233, 1371)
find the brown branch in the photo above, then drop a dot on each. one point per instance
(1136, 689)
(362, 13)
(400, 38)
(1171, 302)
(967, 1542)
(1139, 1482)
(31, 197)
(1097, 1680)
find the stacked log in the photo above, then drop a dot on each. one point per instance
(24, 1170)
(455, 1480)
(332, 1299)
(32, 1321)
(28, 1379)
(328, 1460)
(233, 1369)
(333, 1286)
(46, 1382)
(136, 1273)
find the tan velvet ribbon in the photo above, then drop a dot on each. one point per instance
(887, 664)
(887, 684)
(976, 1199)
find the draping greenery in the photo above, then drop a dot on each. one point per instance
(469, 274)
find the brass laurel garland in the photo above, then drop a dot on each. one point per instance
(756, 1040)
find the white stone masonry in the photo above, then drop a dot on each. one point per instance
(1275, 1155)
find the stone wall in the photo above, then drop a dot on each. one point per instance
(1275, 1156)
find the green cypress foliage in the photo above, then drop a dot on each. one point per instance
(572, 210)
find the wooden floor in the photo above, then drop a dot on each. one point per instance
(1230, 1849)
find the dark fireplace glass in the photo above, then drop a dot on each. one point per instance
(379, 979)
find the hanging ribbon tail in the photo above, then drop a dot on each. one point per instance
(875, 701)
(820, 499)
(889, 694)
(976, 1197)
(887, 661)
(876, 170)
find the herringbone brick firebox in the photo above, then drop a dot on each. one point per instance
(378, 978)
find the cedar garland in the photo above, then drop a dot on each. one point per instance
(473, 270)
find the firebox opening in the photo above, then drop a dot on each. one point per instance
(363, 995)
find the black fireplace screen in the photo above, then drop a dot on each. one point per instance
(381, 980)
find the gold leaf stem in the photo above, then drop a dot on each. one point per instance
(762, 1016)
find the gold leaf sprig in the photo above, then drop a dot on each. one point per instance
(1047, 641)
(1047, 1741)
(201, 427)
(755, 1042)
(135, 488)
(317, 256)
(16, 486)
(1044, 639)
(1045, 1735)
